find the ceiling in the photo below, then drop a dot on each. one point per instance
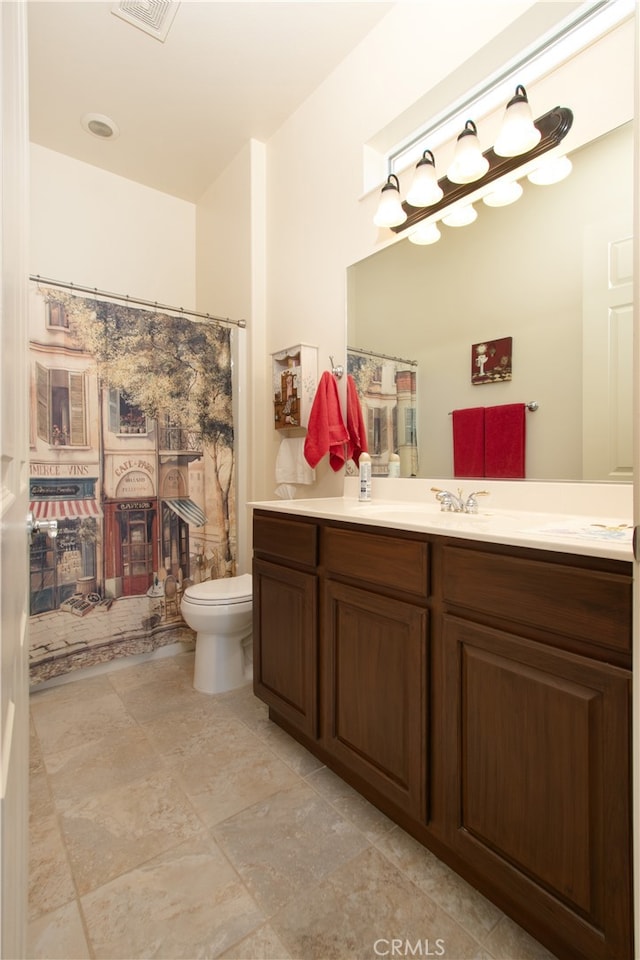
(227, 72)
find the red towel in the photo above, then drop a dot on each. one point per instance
(468, 442)
(357, 442)
(504, 441)
(326, 432)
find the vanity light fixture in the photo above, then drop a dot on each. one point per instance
(518, 132)
(504, 193)
(552, 127)
(461, 216)
(425, 189)
(469, 163)
(425, 233)
(551, 170)
(390, 212)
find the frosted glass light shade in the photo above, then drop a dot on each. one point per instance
(468, 162)
(425, 189)
(551, 170)
(425, 233)
(518, 133)
(390, 212)
(503, 194)
(461, 217)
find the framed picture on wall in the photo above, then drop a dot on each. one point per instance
(492, 360)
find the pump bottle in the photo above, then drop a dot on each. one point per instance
(364, 467)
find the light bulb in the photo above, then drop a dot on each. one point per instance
(468, 164)
(425, 189)
(425, 233)
(503, 194)
(551, 170)
(390, 212)
(518, 133)
(461, 216)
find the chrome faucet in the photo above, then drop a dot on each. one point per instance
(457, 504)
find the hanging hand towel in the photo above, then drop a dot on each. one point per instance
(357, 442)
(504, 441)
(291, 466)
(326, 432)
(468, 442)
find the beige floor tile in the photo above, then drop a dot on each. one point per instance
(261, 945)
(473, 911)
(186, 903)
(163, 694)
(361, 908)
(289, 750)
(245, 705)
(199, 730)
(92, 768)
(50, 880)
(508, 941)
(62, 724)
(73, 690)
(287, 843)
(58, 935)
(40, 797)
(350, 804)
(233, 774)
(120, 829)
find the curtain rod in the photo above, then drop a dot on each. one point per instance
(382, 356)
(127, 299)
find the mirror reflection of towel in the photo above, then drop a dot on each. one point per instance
(504, 441)
(468, 442)
(357, 442)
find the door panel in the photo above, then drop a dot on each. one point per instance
(14, 700)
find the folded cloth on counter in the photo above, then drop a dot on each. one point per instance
(504, 441)
(468, 442)
(357, 442)
(326, 432)
(291, 466)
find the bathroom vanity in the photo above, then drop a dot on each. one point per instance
(472, 678)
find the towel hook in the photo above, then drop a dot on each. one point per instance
(336, 371)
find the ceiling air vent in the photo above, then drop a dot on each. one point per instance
(152, 16)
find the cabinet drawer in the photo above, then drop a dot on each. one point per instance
(289, 540)
(386, 561)
(587, 605)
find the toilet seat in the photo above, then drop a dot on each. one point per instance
(227, 590)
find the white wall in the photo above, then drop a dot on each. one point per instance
(95, 229)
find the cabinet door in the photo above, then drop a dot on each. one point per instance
(374, 682)
(538, 783)
(285, 648)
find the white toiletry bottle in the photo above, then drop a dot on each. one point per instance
(394, 465)
(365, 476)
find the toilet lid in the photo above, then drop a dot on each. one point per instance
(225, 590)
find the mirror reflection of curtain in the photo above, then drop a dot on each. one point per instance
(386, 389)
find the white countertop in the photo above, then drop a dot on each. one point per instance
(592, 535)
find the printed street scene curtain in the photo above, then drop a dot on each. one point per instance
(387, 393)
(131, 440)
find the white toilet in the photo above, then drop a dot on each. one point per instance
(220, 611)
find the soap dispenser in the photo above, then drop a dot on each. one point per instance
(364, 467)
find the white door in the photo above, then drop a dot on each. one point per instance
(607, 389)
(14, 693)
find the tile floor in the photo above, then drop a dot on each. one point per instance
(167, 823)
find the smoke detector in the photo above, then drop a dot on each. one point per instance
(151, 16)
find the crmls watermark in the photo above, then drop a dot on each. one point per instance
(398, 947)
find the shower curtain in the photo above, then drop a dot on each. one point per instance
(132, 452)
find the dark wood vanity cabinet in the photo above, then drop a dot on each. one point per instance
(478, 693)
(375, 656)
(285, 621)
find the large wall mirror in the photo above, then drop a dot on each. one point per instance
(552, 272)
